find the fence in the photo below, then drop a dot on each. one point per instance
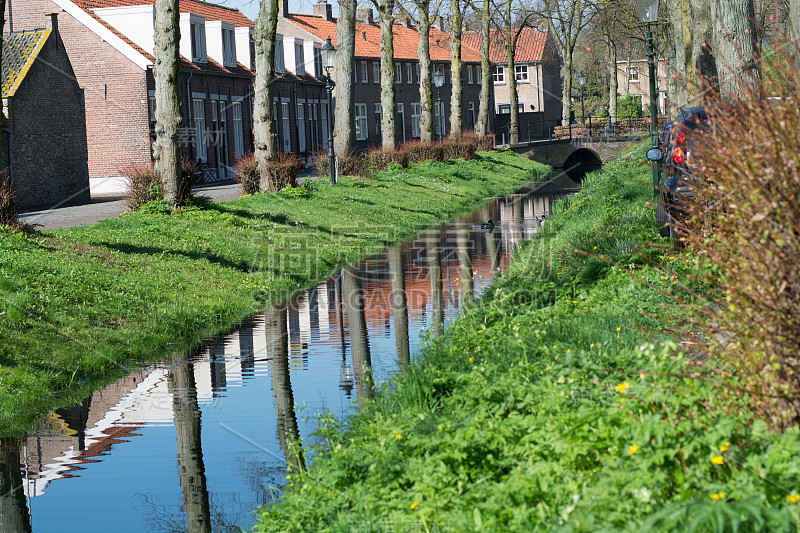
(540, 130)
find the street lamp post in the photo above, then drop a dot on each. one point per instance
(328, 55)
(581, 83)
(648, 15)
(438, 81)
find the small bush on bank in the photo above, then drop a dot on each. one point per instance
(282, 171)
(351, 164)
(380, 159)
(459, 149)
(248, 176)
(322, 163)
(482, 144)
(419, 152)
(8, 211)
(144, 185)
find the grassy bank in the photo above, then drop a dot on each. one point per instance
(77, 304)
(559, 401)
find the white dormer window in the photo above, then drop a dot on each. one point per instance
(317, 63)
(229, 47)
(279, 66)
(300, 65)
(198, 35)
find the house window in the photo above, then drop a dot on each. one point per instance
(633, 73)
(152, 108)
(378, 118)
(521, 73)
(438, 115)
(418, 76)
(410, 73)
(317, 63)
(199, 113)
(470, 74)
(376, 72)
(504, 109)
(238, 130)
(287, 127)
(479, 75)
(499, 75)
(301, 127)
(364, 72)
(471, 116)
(401, 121)
(228, 48)
(279, 66)
(398, 73)
(324, 116)
(198, 35)
(416, 111)
(300, 64)
(361, 122)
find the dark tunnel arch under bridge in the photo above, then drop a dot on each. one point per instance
(581, 162)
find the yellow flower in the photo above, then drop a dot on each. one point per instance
(480, 331)
(398, 436)
(415, 504)
(569, 351)
(633, 449)
(595, 247)
(592, 346)
(621, 387)
(619, 329)
(717, 460)
(717, 496)
(724, 447)
(471, 359)
(793, 498)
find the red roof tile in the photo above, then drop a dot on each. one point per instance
(368, 39)
(530, 45)
(208, 10)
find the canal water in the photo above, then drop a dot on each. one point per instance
(197, 445)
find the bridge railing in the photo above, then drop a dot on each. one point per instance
(591, 127)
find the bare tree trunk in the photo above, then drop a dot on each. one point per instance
(345, 63)
(482, 128)
(359, 340)
(166, 150)
(734, 48)
(399, 308)
(794, 17)
(457, 93)
(14, 514)
(386, 14)
(566, 90)
(513, 127)
(264, 126)
(2, 117)
(613, 84)
(425, 92)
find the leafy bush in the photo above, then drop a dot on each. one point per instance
(247, 174)
(746, 222)
(381, 159)
(630, 106)
(419, 152)
(8, 212)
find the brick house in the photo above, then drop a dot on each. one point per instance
(320, 25)
(45, 127)
(633, 77)
(537, 66)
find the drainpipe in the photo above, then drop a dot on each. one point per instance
(9, 147)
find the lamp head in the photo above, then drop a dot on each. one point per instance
(581, 79)
(438, 76)
(328, 55)
(647, 10)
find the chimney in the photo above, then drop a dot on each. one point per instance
(437, 23)
(324, 9)
(52, 21)
(284, 8)
(364, 14)
(403, 20)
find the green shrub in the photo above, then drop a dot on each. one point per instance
(630, 106)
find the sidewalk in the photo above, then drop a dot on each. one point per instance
(104, 207)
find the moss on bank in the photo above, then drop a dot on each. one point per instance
(81, 303)
(556, 402)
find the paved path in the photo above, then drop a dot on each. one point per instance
(110, 206)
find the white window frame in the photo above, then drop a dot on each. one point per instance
(151, 106)
(318, 71)
(504, 109)
(471, 110)
(280, 67)
(633, 73)
(198, 37)
(438, 116)
(200, 136)
(301, 126)
(479, 74)
(323, 111)
(499, 74)
(521, 73)
(364, 72)
(299, 60)
(419, 77)
(398, 73)
(401, 122)
(287, 125)
(360, 112)
(416, 112)
(228, 47)
(376, 72)
(409, 73)
(470, 75)
(378, 120)
(238, 129)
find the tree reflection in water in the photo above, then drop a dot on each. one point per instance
(14, 515)
(399, 307)
(357, 326)
(432, 251)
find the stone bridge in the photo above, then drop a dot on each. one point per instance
(579, 155)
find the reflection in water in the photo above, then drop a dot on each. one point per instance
(14, 516)
(432, 241)
(278, 355)
(190, 453)
(465, 261)
(76, 458)
(399, 307)
(357, 327)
